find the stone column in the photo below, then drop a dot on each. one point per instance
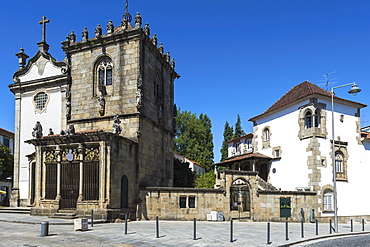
(254, 165)
(102, 179)
(14, 200)
(59, 159)
(81, 150)
(38, 177)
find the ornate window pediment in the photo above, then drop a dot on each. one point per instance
(312, 120)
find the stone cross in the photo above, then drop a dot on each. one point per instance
(43, 23)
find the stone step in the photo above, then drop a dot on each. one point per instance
(15, 210)
(63, 215)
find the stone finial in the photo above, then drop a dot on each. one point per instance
(160, 48)
(117, 129)
(22, 57)
(98, 31)
(72, 37)
(37, 131)
(172, 63)
(155, 40)
(168, 57)
(85, 34)
(110, 27)
(138, 20)
(147, 29)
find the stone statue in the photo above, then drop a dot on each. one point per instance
(85, 34)
(51, 132)
(168, 57)
(147, 29)
(101, 100)
(68, 109)
(72, 37)
(69, 131)
(139, 81)
(160, 48)
(172, 63)
(117, 129)
(110, 27)
(138, 98)
(155, 40)
(138, 20)
(98, 31)
(37, 130)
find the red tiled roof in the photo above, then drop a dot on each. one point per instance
(298, 92)
(243, 157)
(11, 133)
(239, 138)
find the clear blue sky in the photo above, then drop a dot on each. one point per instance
(234, 57)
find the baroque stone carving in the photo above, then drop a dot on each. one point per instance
(138, 98)
(110, 27)
(101, 100)
(85, 34)
(98, 31)
(92, 154)
(50, 156)
(69, 131)
(147, 29)
(37, 130)
(138, 20)
(72, 37)
(117, 129)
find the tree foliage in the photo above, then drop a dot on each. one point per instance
(206, 180)
(194, 138)
(238, 128)
(228, 135)
(183, 176)
(6, 162)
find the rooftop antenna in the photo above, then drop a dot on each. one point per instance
(327, 80)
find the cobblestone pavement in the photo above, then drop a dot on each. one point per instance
(24, 230)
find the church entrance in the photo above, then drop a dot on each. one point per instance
(69, 187)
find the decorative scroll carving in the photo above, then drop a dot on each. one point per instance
(50, 156)
(92, 154)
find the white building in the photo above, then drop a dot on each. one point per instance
(194, 166)
(7, 139)
(291, 148)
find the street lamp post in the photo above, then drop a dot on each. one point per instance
(354, 90)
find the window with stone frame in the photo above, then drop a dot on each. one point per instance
(340, 161)
(312, 120)
(104, 75)
(328, 200)
(40, 101)
(266, 136)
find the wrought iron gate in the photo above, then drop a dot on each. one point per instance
(69, 187)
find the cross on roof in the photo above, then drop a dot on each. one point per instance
(43, 23)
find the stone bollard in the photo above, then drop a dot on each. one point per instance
(44, 228)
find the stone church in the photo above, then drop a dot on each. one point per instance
(94, 128)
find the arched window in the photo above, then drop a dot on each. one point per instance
(317, 118)
(104, 74)
(328, 200)
(308, 120)
(266, 134)
(338, 162)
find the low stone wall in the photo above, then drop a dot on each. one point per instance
(164, 202)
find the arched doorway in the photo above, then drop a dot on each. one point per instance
(124, 192)
(240, 196)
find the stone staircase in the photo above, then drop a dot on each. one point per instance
(64, 214)
(263, 185)
(15, 210)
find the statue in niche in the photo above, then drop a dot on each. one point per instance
(85, 34)
(69, 131)
(101, 100)
(147, 29)
(98, 31)
(138, 20)
(51, 132)
(110, 27)
(117, 129)
(138, 98)
(37, 130)
(155, 40)
(72, 37)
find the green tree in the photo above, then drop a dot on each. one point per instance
(228, 135)
(6, 162)
(238, 128)
(194, 138)
(183, 176)
(206, 180)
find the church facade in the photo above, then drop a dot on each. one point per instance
(94, 128)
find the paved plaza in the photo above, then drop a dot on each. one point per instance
(24, 230)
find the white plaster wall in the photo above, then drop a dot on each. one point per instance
(50, 118)
(291, 169)
(48, 70)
